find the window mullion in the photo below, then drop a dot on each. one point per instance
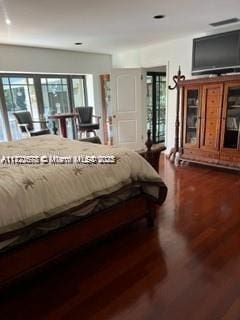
(4, 112)
(85, 91)
(39, 96)
(71, 102)
(29, 97)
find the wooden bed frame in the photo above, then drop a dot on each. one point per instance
(34, 256)
(29, 258)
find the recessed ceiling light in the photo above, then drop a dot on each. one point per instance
(159, 16)
(8, 21)
(78, 43)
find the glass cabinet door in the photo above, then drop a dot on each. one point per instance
(192, 116)
(232, 124)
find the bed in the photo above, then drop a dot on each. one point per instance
(66, 196)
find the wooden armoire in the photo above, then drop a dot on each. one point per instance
(210, 121)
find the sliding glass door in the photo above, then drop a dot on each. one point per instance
(55, 95)
(19, 95)
(56, 99)
(63, 94)
(79, 92)
(41, 95)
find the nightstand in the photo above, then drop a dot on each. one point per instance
(152, 152)
(153, 155)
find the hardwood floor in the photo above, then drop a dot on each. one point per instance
(188, 267)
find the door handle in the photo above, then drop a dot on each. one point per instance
(114, 116)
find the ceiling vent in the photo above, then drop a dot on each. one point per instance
(224, 22)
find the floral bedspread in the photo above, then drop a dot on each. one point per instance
(31, 192)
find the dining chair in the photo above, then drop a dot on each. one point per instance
(26, 124)
(86, 122)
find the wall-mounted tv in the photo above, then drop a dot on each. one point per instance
(216, 54)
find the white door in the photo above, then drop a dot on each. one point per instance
(127, 89)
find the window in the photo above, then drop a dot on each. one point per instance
(156, 105)
(41, 96)
(79, 92)
(55, 95)
(2, 130)
(20, 95)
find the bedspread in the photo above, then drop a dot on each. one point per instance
(31, 192)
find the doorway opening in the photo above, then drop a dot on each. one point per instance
(156, 103)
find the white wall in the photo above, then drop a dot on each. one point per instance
(172, 54)
(35, 60)
(40, 60)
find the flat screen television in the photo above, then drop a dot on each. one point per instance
(216, 54)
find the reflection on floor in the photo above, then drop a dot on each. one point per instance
(188, 267)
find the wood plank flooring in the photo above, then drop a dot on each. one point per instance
(187, 267)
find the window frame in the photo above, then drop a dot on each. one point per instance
(38, 89)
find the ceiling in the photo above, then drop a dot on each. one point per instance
(108, 26)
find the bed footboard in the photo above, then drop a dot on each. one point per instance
(36, 255)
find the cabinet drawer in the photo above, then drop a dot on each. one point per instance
(201, 154)
(211, 155)
(226, 157)
(211, 124)
(213, 101)
(237, 160)
(230, 157)
(213, 91)
(212, 112)
(210, 141)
